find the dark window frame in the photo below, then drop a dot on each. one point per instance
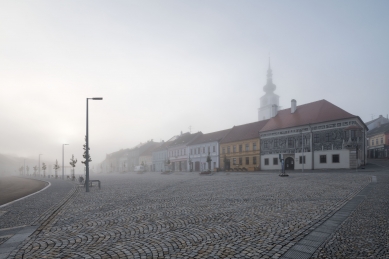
(323, 159)
(275, 160)
(338, 158)
(266, 161)
(301, 159)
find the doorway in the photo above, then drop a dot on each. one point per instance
(197, 166)
(289, 163)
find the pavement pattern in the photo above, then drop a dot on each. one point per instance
(365, 234)
(184, 215)
(29, 210)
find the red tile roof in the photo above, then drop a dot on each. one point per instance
(310, 113)
(244, 132)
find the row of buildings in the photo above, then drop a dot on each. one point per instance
(316, 135)
(378, 138)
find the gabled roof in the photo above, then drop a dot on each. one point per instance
(185, 139)
(384, 128)
(210, 137)
(377, 119)
(148, 151)
(163, 146)
(244, 132)
(310, 113)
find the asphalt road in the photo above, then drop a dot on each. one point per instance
(13, 188)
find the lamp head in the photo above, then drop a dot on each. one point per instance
(97, 98)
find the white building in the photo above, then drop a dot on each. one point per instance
(204, 146)
(328, 136)
(268, 103)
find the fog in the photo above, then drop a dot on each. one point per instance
(163, 66)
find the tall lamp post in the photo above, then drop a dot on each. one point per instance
(87, 145)
(39, 172)
(63, 165)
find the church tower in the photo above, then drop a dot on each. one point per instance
(269, 102)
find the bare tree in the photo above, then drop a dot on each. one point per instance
(44, 169)
(56, 167)
(73, 164)
(84, 155)
(35, 169)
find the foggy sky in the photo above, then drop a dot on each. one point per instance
(162, 66)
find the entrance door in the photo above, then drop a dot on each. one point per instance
(289, 163)
(197, 166)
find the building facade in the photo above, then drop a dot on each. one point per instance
(317, 135)
(378, 142)
(239, 149)
(178, 155)
(160, 157)
(204, 148)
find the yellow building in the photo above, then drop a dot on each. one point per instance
(239, 149)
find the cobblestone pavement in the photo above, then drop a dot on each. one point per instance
(26, 211)
(365, 234)
(238, 215)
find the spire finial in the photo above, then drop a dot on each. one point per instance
(269, 62)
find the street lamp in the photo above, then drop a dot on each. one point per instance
(39, 172)
(87, 145)
(63, 165)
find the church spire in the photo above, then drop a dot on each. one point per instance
(269, 87)
(269, 74)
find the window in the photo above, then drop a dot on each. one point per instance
(209, 149)
(247, 161)
(234, 161)
(275, 143)
(316, 138)
(376, 141)
(323, 159)
(191, 151)
(234, 149)
(302, 159)
(240, 148)
(265, 144)
(353, 134)
(327, 137)
(247, 147)
(224, 150)
(214, 149)
(335, 158)
(240, 161)
(184, 152)
(372, 142)
(382, 141)
(254, 160)
(266, 161)
(275, 161)
(228, 150)
(198, 150)
(203, 150)
(290, 142)
(254, 146)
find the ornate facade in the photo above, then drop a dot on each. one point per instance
(331, 144)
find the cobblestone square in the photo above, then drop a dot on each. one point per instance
(184, 215)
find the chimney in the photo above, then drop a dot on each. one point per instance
(293, 106)
(274, 110)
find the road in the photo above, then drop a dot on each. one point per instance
(13, 188)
